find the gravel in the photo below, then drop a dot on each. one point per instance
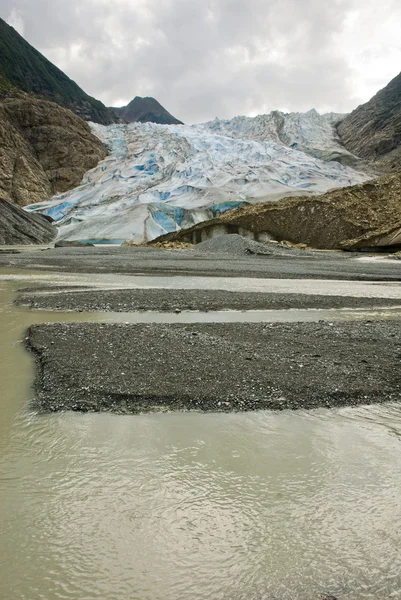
(155, 261)
(238, 245)
(233, 244)
(167, 300)
(214, 367)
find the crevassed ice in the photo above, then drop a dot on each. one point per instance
(159, 178)
(309, 132)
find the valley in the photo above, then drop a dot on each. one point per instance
(200, 323)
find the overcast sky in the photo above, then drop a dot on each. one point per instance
(208, 58)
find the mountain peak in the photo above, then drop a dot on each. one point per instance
(145, 110)
(25, 70)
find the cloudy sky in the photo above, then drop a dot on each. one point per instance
(208, 58)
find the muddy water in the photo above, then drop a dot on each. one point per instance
(192, 506)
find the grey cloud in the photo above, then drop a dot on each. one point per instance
(200, 58)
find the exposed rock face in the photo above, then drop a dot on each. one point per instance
(368, 214)
(23, 68)
(373, 130)
(44, 149)
(20, 227)
(145, 110)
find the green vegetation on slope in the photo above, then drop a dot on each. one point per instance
(24, 68)
(7, 90)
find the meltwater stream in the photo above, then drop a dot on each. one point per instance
(187, 506)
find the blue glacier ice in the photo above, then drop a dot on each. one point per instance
(159, 178)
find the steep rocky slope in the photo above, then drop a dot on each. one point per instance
(24, 68)
(365, 215)
(373, 130)
(145, 110)
(44, 150)
(19, 227)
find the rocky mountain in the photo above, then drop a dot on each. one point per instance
(360, 216)
(145, 110)
(373, 130)
(159, 178)
(19, 227)
(44, 150)
(22, 68)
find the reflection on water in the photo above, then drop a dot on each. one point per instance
(253, 506)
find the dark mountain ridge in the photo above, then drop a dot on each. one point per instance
(373, 130)
(22, 68)
(145, 110)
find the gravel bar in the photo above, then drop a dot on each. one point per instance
(214, 367)
(167, 300)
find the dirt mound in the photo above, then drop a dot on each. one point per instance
(238, 245)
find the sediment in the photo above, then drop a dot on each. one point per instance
(214, 367)
(155, 261)
(170, 300)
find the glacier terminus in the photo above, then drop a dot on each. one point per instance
(160, 178)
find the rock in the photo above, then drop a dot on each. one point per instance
(20, 227)
(71, 244)
(44, 150)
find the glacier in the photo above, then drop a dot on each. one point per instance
(160, 178)
(309, 132)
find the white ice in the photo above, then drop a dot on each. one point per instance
(159, 178)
